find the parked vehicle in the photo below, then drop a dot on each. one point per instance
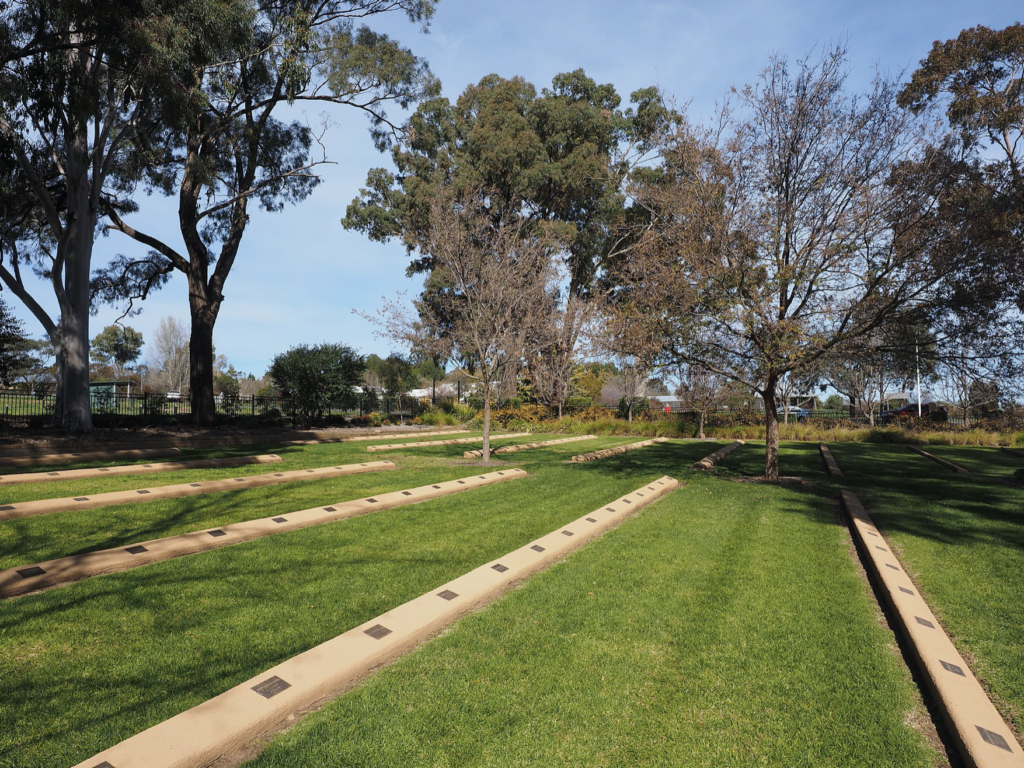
(174, 394)
(930, 411)
(795, 412)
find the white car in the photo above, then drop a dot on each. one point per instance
(174, 394)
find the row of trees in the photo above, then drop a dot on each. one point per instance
(103, 101)
(808, 232)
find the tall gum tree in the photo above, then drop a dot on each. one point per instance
(553, 160)
(780, 235)
(80, 82)
(236, 153)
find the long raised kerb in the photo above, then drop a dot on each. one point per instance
(941, 462)
(136, 469)
(708, 462)
(528, 446)
(52, 573)
(984, 739)
(431, 443)
(582, 458)
(48, 506)
(241, 714)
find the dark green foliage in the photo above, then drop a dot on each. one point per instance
(560, 153)
(116, 347)
(317, 377)
(13, 345)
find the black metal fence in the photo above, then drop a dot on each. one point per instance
(25, 407)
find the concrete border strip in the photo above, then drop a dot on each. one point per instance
(52, 573)
(582, 458)
(136, 469)
(708, 462)
(941, 462)
(67, 458)
(527, 446)
(1012, 452)
(984, 739)
(364, 438)
(235, 718)
(431, 443)
(831, 465)
(48, 506)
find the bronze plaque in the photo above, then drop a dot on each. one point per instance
(499, 567)
(447, 594)
(993, 738)
(138, 549)
(28, 573)
(280, 520)
(952, 668)
(924, 622)
(217, 532)
(378, 631)
(537, 548)
(271, 687)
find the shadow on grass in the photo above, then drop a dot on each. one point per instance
(919, 497)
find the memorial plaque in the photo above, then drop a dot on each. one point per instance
(890, 565)
(142, 492)
(195, 485)
(447, 594)
(407, 493)
(908, 591)
(639, 494)
(377, 631)
(53, 474)
(104, 469)
(138, 549)
(591, 520)
(28, 573)
(872, 533)
(217, 532)
(278, 474)
(952, 668)
(330, 509)
(104, 764)
(6, 509)
(481, 477)
(81, 498)
(627, 501)
(537, 548)
(992, 738)
(309, 470)
(499, 567)
(372, 501)
(272, 686)
(924, 622)
(568, 533)
(462, 482)
(436, 486)
(610, 509)
(280, 519)
(239, 479)
(881, 548)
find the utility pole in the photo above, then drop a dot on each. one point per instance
(917, 365)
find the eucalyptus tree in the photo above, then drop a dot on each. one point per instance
(80, 86)
(240, 152)
(553, 161)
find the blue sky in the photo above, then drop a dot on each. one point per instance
(299, 275)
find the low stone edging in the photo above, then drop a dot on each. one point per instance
(52, 573)
(237, 717)
(136, 469)
(941, 462)
(48, 506)
(428, 443)
(526, 446)
(984, 739)
(709, 462)
(831, 465)
(583, 458)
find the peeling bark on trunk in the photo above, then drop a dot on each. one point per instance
(200, 354)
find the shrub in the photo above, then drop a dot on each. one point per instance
(437, 418)
(315, 377)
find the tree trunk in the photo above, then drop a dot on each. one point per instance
(771, 431)
(73, 409)
(200, 355)
(487, 422)
(700, 426)
(559, 409)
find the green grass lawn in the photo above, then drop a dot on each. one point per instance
(725, 625)
(961, 537)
